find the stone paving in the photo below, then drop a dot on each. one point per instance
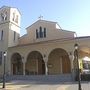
(26, 85)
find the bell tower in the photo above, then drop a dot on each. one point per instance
(9, 26)
(9, 31)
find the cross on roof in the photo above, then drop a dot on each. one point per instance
(40, 17)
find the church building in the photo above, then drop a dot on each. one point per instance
(45, 49)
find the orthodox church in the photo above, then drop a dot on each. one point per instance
(46, 48)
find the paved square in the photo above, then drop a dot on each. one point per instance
(27, 85)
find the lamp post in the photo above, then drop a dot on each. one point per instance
(76, 58)
(4, 54)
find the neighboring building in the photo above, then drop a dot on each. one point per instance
(46, 49)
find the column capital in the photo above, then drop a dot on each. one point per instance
(45, 58)
(71, 55)
(23, 59)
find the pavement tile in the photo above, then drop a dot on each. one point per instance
(26, 85)
(11, 86)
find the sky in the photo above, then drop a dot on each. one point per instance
(72, 15)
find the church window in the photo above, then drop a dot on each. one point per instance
(37, 33)
(14, 35)
(41, 33)
(13, 17)
(2, 35)
(2, 16)
(16, 20)
(0, 57)
(5, 16)
(44, 32)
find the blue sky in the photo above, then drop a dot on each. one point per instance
(73, 15)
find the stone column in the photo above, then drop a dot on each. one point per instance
(37, 66)
(61, 65)
(23, 60)
(46, 68)
(71, 57)
(24, 68)
(46, 64)
(72, 67)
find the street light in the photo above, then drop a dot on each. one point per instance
(4, 54)
(76, 58)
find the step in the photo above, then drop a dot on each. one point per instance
(42, 78)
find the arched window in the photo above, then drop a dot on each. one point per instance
(4, 16)
(41, 33)
(1, 35)
(44, 32)
(0, 57)
(16, 20)
(13, 17)
(37, 34)
(14, 35)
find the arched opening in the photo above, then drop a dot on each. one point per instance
(35, 64)
(16, 64)
(58, 62)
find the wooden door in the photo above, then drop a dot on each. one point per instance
(66, 66)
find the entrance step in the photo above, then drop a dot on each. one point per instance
(42, 78)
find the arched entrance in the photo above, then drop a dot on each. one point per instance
(58, 62)
(16, 64)
(35, 64)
